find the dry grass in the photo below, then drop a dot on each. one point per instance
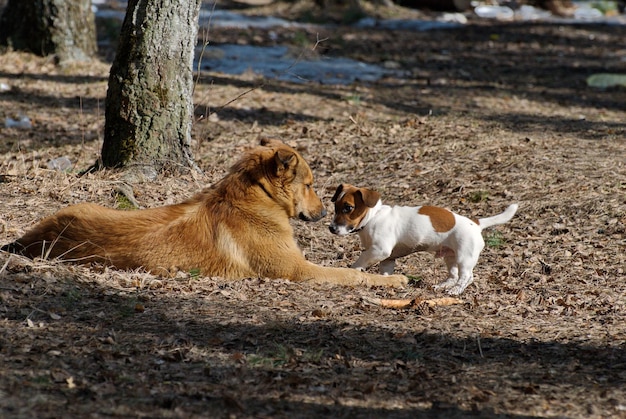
(542, 332)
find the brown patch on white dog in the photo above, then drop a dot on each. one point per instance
(441, 219)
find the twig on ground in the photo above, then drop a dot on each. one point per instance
(416, 303)
(5, 265)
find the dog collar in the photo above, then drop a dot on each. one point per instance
(370, 214)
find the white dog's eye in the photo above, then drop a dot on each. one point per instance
(347, 208)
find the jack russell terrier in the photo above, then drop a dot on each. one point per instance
(388, 233)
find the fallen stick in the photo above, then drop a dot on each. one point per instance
(413, 303)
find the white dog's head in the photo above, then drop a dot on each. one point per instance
(351, 207)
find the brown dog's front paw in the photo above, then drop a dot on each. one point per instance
(396, 281)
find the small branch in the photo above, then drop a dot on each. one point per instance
(480, 348)
(5, 265)
(413, 303)
(318, 41)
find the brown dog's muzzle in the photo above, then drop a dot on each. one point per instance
(315, 217)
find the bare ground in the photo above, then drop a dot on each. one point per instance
(485, 116)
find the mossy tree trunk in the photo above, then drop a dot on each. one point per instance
(149, 104)
(65, 28)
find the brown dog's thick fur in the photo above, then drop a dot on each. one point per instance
(237, 228)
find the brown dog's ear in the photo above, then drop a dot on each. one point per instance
(370, 197)
(285, 160)
(337, 193)
(270, 142)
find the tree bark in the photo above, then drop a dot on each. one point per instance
(149, 104)
(65, 28)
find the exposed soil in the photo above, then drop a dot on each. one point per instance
(483, 116)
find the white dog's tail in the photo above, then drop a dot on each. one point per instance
(498, 219)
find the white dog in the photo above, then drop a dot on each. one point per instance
(388, 233)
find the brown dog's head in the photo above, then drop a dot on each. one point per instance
(285, 177)
(351, 207)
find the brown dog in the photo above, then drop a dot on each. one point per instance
(238, 228)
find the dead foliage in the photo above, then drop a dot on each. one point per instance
(481, 117)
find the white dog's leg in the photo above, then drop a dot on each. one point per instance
(387, 266)
(466, 275)
(461, 285)
(370, 256)
(453, 273)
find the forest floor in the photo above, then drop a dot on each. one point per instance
(482, 116)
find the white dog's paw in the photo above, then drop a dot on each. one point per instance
(445, 285)
(460, 286)
(456, 290)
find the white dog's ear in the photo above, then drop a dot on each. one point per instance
(337, 193)
(370, 197)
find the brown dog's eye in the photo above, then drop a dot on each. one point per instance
(347, 208)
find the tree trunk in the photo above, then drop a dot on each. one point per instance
(65, 28)
(149, 104)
